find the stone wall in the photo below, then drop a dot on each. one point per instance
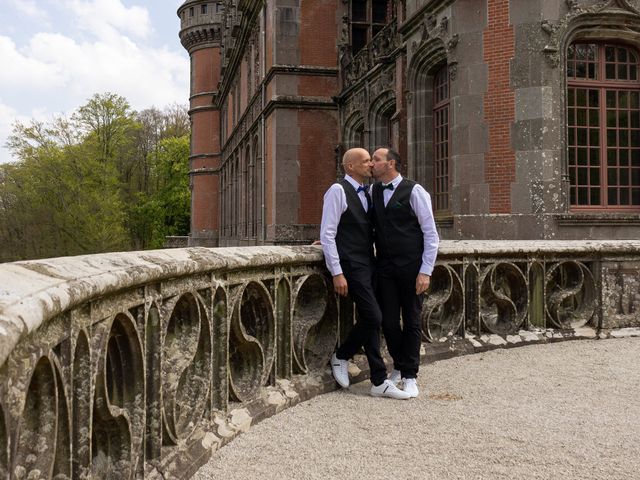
(140, 364)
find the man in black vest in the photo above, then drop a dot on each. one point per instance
(346, 234)
(406, 247)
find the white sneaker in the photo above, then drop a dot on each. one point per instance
(395, 377)
(340, 370)
(411, 387)
(388, 389)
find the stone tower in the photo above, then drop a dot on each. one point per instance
(264, 123)
(200, 27)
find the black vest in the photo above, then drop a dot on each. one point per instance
(354, 238)
(398, 235)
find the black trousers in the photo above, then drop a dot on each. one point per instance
(396, 292)
(366, 332)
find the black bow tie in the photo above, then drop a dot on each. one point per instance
(388, 186)
(362, 188)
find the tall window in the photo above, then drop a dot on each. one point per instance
(603, 126)
(368, 17)
(441, 139)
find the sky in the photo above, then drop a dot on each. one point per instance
(56, 54)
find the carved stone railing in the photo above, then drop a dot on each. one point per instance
(378, 50)
(140, 364)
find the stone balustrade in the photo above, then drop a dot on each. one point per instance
(140, 364)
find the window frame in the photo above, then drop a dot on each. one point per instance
(441, 162)
(368, 23)
(574, 147)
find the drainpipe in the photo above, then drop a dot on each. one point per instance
(263, 28)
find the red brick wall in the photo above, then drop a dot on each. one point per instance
(318, 33)
(316, 86)
(499, 106)
(206, 72)
(206, 140)
(318, 130)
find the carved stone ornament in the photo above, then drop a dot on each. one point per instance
(556, 30)
(408, 94)
(383, 82)
(431, 29)
(344, 32)
(356, 103)
(379, 50)
(453, 70)
(428, 26)
(453, 42)
(443, 27)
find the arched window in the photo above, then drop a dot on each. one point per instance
(381, 112)
(246, 193)
(354, 131)
(253, 190)
(441, 139)
(603, 126)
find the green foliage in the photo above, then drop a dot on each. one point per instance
(166, 211)
(108, 179)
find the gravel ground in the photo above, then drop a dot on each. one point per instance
(563, 411)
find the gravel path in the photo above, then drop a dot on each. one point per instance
(562, 411)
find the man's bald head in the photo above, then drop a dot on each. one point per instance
(357, 164)
(353, 155)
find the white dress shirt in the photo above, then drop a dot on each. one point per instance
(335, 204)
(420, 202)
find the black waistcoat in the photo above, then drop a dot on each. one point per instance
(398, 236)
(354, 238)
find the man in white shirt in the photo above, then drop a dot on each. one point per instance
(406, 248)
(346, 235)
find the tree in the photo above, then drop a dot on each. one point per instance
(108, 179)
(107, 121)
(166, 209)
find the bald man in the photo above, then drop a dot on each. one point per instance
(346, 234)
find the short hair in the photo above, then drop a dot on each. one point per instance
(394, 155)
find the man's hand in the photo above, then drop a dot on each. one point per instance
(422, 283)
(340, 285)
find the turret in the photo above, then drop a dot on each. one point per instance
(200, 34)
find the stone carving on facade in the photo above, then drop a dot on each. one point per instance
(344, 47)
(557, 30)
(443, 28)
(382, 83)
(428, 27)
(572, 4)
(378, 51)
(453, 69)
(356, 103)
(408, 95)
(431, 29)
(452, 43)
(385, 42)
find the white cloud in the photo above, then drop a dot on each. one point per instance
(29, 8)
(104, 18)
(52, 73)
(25, 71)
